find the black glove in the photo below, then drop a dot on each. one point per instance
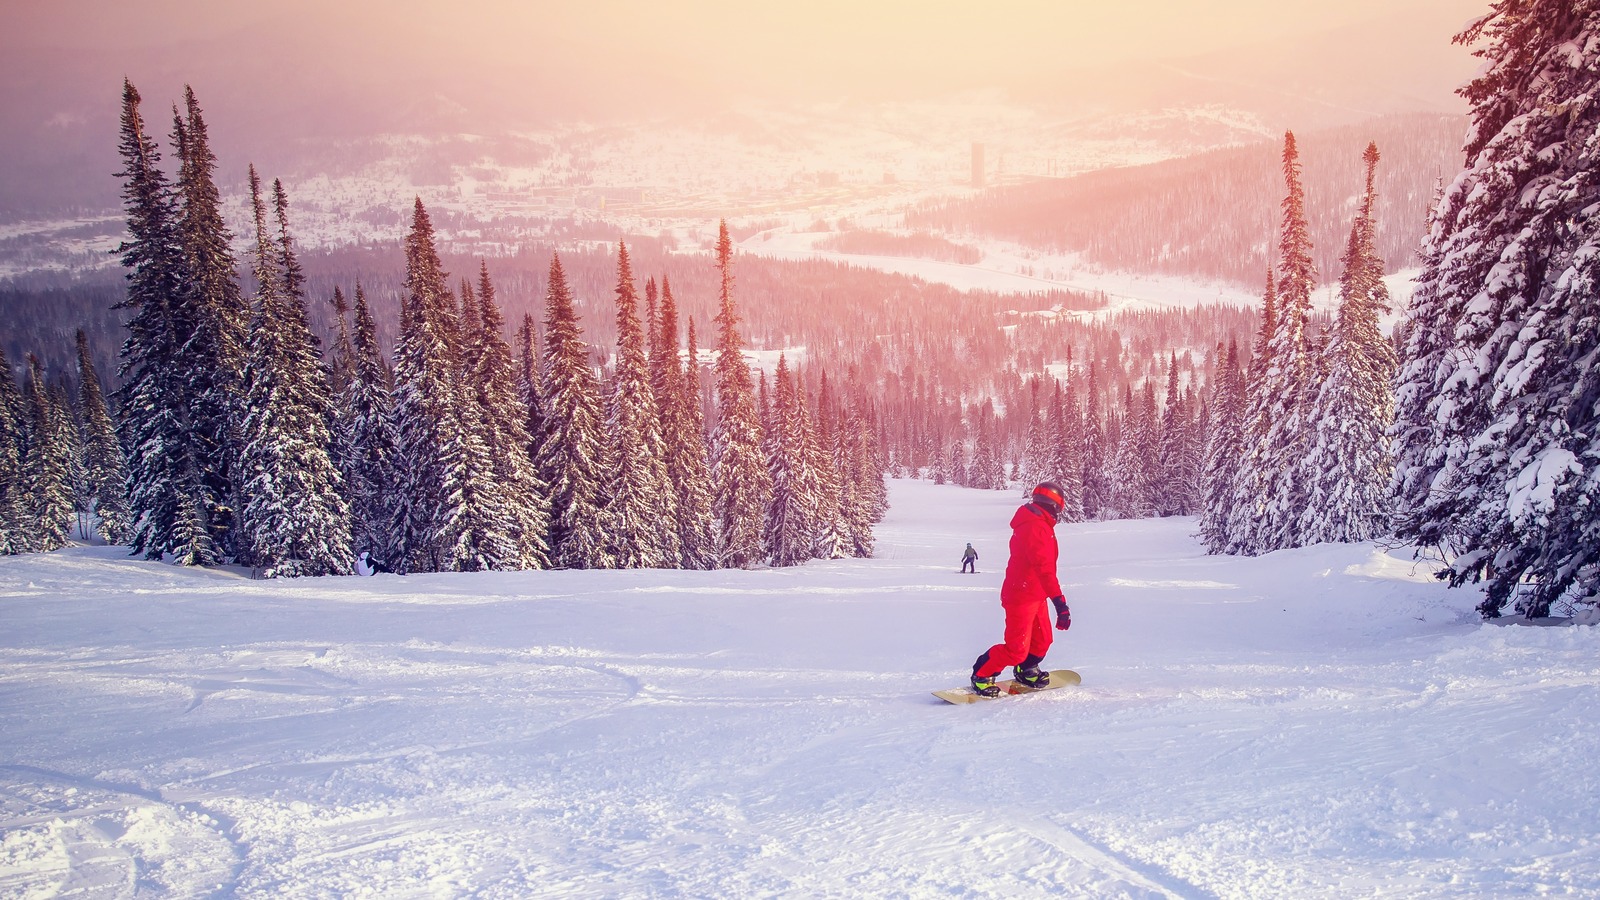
(1063, 613)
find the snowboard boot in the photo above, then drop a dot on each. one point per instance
(985, 687)
(1029, 675)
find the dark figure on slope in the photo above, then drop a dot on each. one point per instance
(969, 561)
(1030, 581)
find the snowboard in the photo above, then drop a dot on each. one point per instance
(1059, 678)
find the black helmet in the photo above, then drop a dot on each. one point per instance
(1051, 497)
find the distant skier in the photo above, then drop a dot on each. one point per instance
(969, 560)
(1030, 581)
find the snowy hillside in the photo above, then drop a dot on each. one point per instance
(1318, 723)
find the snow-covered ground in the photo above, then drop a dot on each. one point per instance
(1327, 722)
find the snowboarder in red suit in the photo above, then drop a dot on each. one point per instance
(1030, 581)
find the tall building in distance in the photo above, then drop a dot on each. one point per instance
(977, 164)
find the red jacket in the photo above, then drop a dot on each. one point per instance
(1031, 572)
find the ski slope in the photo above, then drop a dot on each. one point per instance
(1327, 722)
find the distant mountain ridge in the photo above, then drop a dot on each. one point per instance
(1215, 214)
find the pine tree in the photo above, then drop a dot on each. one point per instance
(47, 468)
(1497, 407)
(1248, 504)
(862, 476)
(432, 447)
(1134, 490)
(1223, 451)
(1094, 449)
(741, 484)
(1350, 464)
(13, 497)
(293, 520)
(792, 516)
(105, 469)
(833, 536)
(341, 367)
(570, 452)
(1067, 445)
(640, 515)
(212, 319)
(173, 490)
(493, 376)
(1287, 377)
(677, 390)
(365, 421)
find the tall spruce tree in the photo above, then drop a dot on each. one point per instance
(1225, 439)
(494, 378)
(570, 451)
(365, 420)
(1497, 408)
(105, 469)
(13, 502)
(1248, 503)
(1093, 462)
(642, 508)
(426, 375)
(478, 532)
(794, 517)
(176, 506)
(213, 319)
(741, 484)
(293, 520)
(688, 470)
(1067, 446)
(47, 467)
(1287, 378)
(1350, 464)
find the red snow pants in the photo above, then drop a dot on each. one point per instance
(1028, 633)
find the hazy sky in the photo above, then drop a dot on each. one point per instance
(783, 47)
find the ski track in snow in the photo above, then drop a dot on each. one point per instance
(1326, 722)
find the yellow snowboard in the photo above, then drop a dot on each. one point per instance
(1058, 678)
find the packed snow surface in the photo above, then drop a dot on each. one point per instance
(1328, 722)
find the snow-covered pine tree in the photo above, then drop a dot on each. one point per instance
(833, 537)
(1514, 268)
(1176, 471)
(1067, 450)
(211, 318)
(528, 389)
(1224, 450)
(985, 471)
(678, 402)
(105, 469)
(1134, 489)
(1246, 507)
(1093, 462)
(366, 421)
(1350, 464)
(1287, 378)
(792, 524)
(166, 470)
(13, 421)
(642, 510)
(477, 531)
(1036, 455)
(570, 451)
(741, 484)
(426, 373)
(47, 468)
(341, 365)
(862, 478)
(293, 520)
(494, 377)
